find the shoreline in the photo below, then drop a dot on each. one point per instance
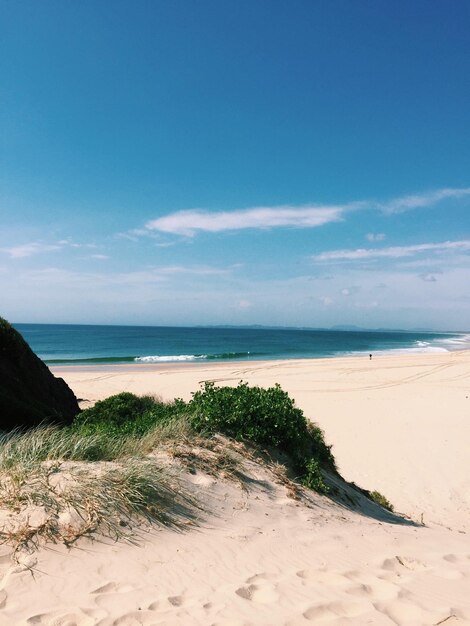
(202, 360)
(209, 363)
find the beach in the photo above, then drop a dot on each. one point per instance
(398, 424)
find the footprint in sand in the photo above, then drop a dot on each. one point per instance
(371, 587)
(325, 577)
(174, 601)
(258, 588)
(155, 605)
(264, 594)
(136, 618)
(61, 619)
(396, 564)
(256, 578)
(451, 574)
(409, 614)
(112, 587)
(333, 610)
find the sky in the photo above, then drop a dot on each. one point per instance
(301, 163)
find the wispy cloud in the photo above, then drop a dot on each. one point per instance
(36, 247)
(392, 252)
(416, 201)
(375, 236)
(189, 222)
(30, 249)
(199, 270)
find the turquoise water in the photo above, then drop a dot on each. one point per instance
(79, 344)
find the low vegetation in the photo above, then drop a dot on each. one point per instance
(268, 418)
(127, 414)
(60, 484)
(380, 499)
(105, 470)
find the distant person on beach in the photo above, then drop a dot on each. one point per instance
(370, 357)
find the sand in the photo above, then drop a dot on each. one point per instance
(398, 424)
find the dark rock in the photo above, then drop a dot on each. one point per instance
(29, 393)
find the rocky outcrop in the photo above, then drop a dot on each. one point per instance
(29, 393)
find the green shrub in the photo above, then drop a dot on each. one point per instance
(126, 413)
(267, 417)
(380, 499)
(317, 448)
(313, 477)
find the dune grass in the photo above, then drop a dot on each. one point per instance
(264, 417)
(76, 484)
(103, 475)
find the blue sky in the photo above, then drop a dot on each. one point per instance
(288, 163)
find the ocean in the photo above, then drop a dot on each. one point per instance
(83, 344)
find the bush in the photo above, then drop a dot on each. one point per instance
(267, 417)
(313, 478)
(317, 448)
(126, 414)
(380, 499)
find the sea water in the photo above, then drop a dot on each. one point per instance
(82, 344)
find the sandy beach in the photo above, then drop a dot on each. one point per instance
(398, 424)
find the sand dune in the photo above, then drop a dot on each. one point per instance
(398, 424)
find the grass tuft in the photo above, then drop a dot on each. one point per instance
(74, 485)
(380, 499)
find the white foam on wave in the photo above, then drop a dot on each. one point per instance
(447, 344)
(459, 342)
(169, 358)
(414, 350)
(423, 348)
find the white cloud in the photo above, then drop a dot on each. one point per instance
(189, 222)
(29, 249)
(36, 247)
(392, 252)
(375, 236)
(99, 256)
(416, 201)
(200, 270)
